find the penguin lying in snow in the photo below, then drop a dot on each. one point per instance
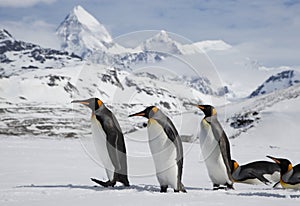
(255, 172)
(289, 175)
(166, 148)
(215, 149)
(109, 142)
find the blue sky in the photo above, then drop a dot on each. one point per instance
(265, 30)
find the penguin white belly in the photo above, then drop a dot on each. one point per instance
(99, 138)
(212, 155)
(164, 154)
(253, 181)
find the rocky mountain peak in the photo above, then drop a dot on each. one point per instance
(5, 35)
(81, 33)
(278, 81)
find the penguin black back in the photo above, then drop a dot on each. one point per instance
(255, 170)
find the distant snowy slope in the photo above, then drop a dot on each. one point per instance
(212, 45)
(279, 81)
(161, 42)
(246, 115)
(18, 57)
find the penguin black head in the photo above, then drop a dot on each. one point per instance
(208, 110)
(284, 164)
(92, 103)
(148, 112)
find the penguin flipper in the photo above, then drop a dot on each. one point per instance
(223, 141)
(276, 184)
(225, 152)
(111, 140)
(104, 184)
(263, 179)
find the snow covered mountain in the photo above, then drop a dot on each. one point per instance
(82, 34)
(17, 57)
(161, 42)
(127, 81)
(276, 82)
(35, 81)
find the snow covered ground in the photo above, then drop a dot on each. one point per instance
(57, 171)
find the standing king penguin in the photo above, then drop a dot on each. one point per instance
(255, 172)
(289, 175)
(215, 149)
(109, 142)
(166, 148)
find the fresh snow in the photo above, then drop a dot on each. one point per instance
(50, 172)
(37, 170)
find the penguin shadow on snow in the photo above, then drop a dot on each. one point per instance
(138, 188)
(270, 193)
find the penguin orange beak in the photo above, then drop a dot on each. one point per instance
(274, 159)
(200, 107)
(81, 102)
(141, 114)
(197, 105)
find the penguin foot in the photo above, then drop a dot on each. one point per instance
(225, 187)
(220, 188)
(229, 187)
(216, 187)
(124, 182)
(104, 184)
(181, 190)
(163, 189)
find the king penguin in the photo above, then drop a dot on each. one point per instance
(289, 175)
(255, 172)
(166, 148)
(215, 149)
(109, 142)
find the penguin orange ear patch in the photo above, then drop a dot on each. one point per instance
(154, 109)
(235, 165)
(290, 167)
(99, 102)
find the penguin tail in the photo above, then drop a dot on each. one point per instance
(104, 184)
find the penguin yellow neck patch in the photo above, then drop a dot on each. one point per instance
(154, 109)
(214, 112)
(99, 102)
